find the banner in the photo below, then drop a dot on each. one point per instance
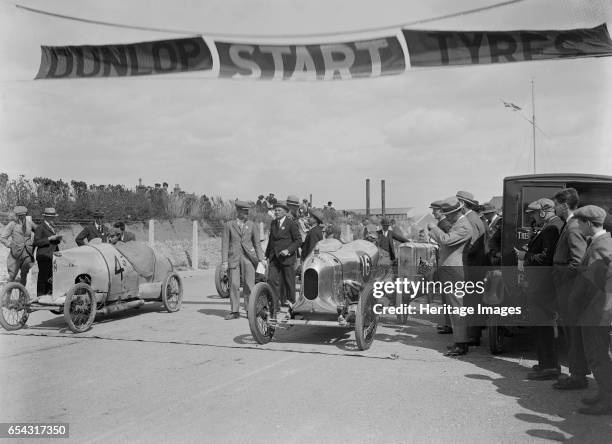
(364, 58)
(439, 48)
(345, 60)
(164, 56)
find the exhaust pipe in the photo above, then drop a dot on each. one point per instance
(121, 306)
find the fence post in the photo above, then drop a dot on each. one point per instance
(151, 232)
(194, 247)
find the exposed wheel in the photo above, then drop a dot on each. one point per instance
(80, 307)
(366, 320)
(14, 306)
(222, 282)
(172, 292)
(496, 335)
(262, 305)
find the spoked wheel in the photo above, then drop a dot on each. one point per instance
(366, 320)
(172, 292)
(496, 335)
(261, 307)
(222, 282)
(80, 307)
(14, 306)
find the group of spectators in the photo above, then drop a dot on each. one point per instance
(568, 283)
(31, 243)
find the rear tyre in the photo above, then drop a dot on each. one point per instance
(80, 307)
(222, 282)
(366, 321)
(262, 306)
(172, 292)
(14, 300)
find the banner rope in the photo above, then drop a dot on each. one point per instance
(280, 36)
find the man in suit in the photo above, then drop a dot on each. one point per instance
(17, 236)
(92, 231)
(450, 264)
(591, 299)
(566, 263)
(474, 260)
(240, 254)
(281, 251)
(385, 242)
(126, 236)
(540, 292)
(443, 222)
(314, 235)
(46, 241)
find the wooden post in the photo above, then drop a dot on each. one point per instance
(195, 260)
(151, 232)
(367, 197)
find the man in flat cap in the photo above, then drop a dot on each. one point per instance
(314, 235)
(46, 241)
(475, 259)
(293, 202)
(567, 259)
(92, 231)
(126, 236)
(443, 223)
(385, 242)
(591, 300)
(450, 264)
(538, 260)
(281, 251)
(240, 254)
(18, 236)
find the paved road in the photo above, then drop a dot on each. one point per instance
(150, 376)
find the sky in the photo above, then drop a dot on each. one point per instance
(427, 132)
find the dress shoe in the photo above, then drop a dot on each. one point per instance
(444, 330)
(232, 315)
(592, 401)
(457, 350)
(543, 374)
(603, 407)
(571, 383)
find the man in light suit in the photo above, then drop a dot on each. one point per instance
(240, 254)
(92, 231)
(281, 251)
(569, 252)
(591, 299)
(450, 264)
(46, 241)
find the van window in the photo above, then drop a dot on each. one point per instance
(594, 194)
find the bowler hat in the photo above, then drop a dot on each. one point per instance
(20, 210)
(281, 204)
(542, 204)
(293, 200)
(242, 205)
(451, 205)
(49, 212)
(317, 215)
(467, 197)
(592, 213)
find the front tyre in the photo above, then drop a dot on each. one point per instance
(261, 307)
(172, 292)
(222, 282)
(14, 300)
(80, 307)
(366, 321)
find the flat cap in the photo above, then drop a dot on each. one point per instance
(437, 204)
(542, 204)
(242, 205)
(591, 212)
(466, 196)
(20, 210)
(451, 205)
(281, 204)
(317, 215)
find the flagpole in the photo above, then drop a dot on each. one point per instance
(533, 125)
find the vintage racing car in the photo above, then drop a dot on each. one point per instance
(97, 278)
(337, 290)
